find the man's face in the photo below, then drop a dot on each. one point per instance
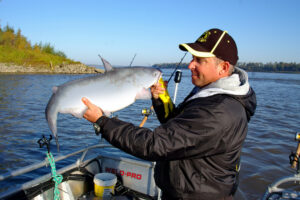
(204, 71)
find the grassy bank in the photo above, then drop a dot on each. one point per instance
(16, 49)
(29, 57)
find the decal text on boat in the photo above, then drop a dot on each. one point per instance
(124, 173)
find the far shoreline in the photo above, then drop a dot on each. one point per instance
(247, 70)
(9, 68)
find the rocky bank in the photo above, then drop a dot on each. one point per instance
(60, 69)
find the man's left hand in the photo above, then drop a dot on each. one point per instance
(93, 112)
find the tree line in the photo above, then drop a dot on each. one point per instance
(15, 48)
(8, 37)
(250, 66)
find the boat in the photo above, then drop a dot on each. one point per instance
(134, 177)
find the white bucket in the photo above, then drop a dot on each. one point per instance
(104, 184)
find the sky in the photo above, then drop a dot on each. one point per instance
(264, 30)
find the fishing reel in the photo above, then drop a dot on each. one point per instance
(147, 112)
(294, 157)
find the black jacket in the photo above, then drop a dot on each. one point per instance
(197, 148)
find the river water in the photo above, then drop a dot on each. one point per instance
(270, 138)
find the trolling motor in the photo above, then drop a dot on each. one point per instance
(294, 157)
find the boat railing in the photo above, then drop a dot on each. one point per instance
(44, 163)
(275, 188)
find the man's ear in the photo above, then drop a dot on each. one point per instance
(224, 68)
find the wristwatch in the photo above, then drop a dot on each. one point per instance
(97, 126)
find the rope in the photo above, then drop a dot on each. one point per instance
(57, 178)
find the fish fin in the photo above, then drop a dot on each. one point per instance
(78, 114)
(54, 89)
(143, 94)
(106, 65)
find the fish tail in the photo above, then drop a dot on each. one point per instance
(57, 144)
(51, 116)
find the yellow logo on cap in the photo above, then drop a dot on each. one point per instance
(203, 37)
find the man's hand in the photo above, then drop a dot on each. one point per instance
(93, 112)
(157, 89)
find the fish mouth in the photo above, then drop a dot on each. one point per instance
(159, 75)
(158, 70)
(158, 78)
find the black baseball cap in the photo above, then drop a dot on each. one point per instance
(213, 43)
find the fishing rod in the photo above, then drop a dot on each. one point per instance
(177, 66)
(177, 80)
(132, 60)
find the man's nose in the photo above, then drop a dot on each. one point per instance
(191, 65)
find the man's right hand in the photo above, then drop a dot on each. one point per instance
(93, 113)
(158, 89)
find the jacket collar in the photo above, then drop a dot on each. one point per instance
(237, 84)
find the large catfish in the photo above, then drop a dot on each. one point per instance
(114, 90)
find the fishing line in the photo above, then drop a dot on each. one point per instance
(177, 67)
(132, 60)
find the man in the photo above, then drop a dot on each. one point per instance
(198, 145)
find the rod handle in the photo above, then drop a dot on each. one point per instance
(177, 77)
(297, 138)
